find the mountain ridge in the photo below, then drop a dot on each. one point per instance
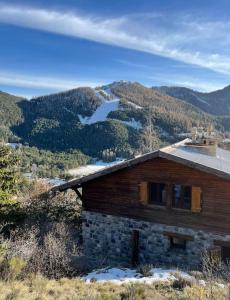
(96, 119)
(215, 102)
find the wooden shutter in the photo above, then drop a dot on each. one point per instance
(144, 193)
(196, 199)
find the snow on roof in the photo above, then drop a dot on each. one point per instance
(220, 161)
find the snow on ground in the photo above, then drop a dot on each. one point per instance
(106, 107)
(51, 181)
(54, 181)
(102, 111)
(123, 275)
(184, 134)
(135, 105)
(93, 168)
(12, 145)
(133, 123)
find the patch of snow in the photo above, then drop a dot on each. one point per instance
(184, 134)
(202, 282)
(102, 111)
(93, 168)
(54, 181)
(51, 181)
(221, 285)
(133, 123)
(107, 92)
(82, 119)
(12, 145)
(125, 275)
(226, 140)
(135, 105)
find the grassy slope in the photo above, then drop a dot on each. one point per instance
(41, 288)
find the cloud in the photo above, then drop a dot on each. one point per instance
(202, 85)
(42, 82)
(176, 37)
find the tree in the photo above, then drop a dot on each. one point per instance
(149, 139)
(8, 181)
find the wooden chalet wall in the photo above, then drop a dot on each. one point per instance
(118, 194)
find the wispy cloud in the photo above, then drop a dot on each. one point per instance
(177, 37)
(43, 82)
(202, 85)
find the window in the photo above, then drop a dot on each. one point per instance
(177, 243)
(157, 193)
(225, 254)
(182, 196)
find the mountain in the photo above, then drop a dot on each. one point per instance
(10, 114)
(108, 118)
(216, 103)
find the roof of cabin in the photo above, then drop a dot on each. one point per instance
(193, 156)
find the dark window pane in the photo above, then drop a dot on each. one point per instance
(177, 243)
(225, 251)
(157, 193)
(181, 196)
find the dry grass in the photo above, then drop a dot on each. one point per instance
(40, 288)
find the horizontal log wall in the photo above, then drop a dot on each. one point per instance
(118, 194)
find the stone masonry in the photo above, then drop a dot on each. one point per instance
(109, 238)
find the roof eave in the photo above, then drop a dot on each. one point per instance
(126, 164)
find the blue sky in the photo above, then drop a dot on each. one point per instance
(49, 46)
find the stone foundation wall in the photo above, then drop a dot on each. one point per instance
(109, 237)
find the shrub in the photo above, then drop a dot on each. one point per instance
(145, 270)
(181, 282)
(16, 266)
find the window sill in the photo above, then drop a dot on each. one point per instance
(155, 206)
(187, 211)
(182, 210)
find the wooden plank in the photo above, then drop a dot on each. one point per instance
(178, 235)
(222, 243)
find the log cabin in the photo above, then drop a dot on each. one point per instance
(164, 207)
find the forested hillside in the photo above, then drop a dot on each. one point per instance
(10, 114)
(216, 102)
(114, 117)
(168, 113)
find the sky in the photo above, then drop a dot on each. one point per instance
(51, 46)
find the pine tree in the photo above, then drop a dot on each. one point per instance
(149, 139)
(8, 181)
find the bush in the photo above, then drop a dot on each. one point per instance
(181, 282)
(145, 270)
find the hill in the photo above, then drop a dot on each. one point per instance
(109, 118)
(216, 103)
(10, 114)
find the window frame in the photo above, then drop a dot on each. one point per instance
(157, 203)
(182, 206)
(177, 246)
